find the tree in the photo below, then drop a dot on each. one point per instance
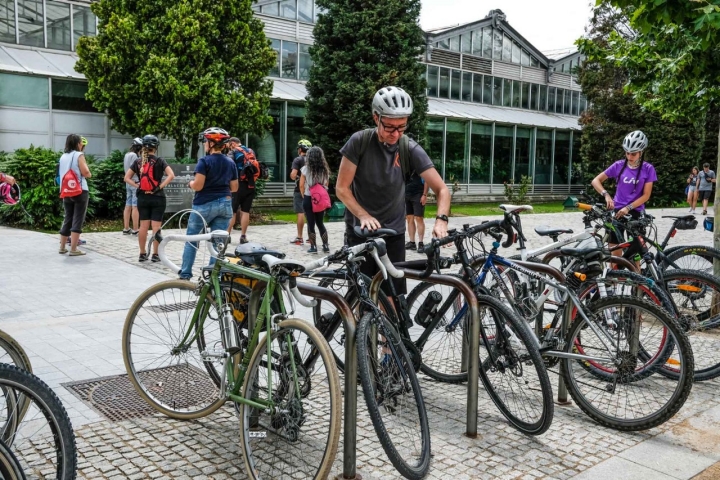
(615, 113)
(176, 67)
(361, 46)
(673, 62)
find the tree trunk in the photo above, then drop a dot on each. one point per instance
(180, 151)
(716, 208)
(193, 148)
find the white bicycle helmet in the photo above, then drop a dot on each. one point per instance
(635, 142)
(392, 102)
(137, 142)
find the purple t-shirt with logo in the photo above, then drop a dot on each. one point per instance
(631, 183)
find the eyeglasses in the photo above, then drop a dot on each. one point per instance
(393, 129)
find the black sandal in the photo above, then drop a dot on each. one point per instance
(143, 257)
(155, 257)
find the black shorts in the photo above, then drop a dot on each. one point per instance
(635, 245)
(414, 207)
(705, 195)
(395, 251)
(243, 199)
(150, 207)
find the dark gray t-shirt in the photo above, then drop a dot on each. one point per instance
(705, 183)
(297, 164)
(379, 186)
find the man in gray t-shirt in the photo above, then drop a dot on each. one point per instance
(372, 185)
(131, 210)
(705, 181)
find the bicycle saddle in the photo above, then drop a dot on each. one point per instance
(291, 266)
(516, 208)
(545, 231)
(252, 253)
(380, 232)
(587, 254)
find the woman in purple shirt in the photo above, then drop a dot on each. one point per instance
(633, 177)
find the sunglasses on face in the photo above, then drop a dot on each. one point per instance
(393, 129)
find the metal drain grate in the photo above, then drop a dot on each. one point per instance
(116, 398)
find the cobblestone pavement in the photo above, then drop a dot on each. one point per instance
(73, 334)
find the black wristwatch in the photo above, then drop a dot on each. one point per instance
(442, 217)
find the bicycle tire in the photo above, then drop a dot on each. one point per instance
(46, 405)
(10, 468)
(688, 289)
(691, 257)
(511, 357)
(15, 355)
(636, 388)
(188, 391)
(277, 425)
(378, 398)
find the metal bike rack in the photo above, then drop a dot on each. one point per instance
(474, 353)
(350, 407)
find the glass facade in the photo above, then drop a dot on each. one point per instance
(83, 23)
(489, 42)
(293, 60)
(24, 91)
(296, 130)
(58, 25)
(269, 145)
(562, 159)
(455, 147)
(27, 21)
(480, 153)
(7, 21)
(523, 153)
(68, 95)
(435, 138)
(542, 174)
(30, 22)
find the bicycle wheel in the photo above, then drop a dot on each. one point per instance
(171, 376)
(442, 350)
(698, 258)
(393, 396)
(626, 398)
(298, 437)
(513, 370)
(12, 353)
(697, 298)
(10, 468)
(43, 441)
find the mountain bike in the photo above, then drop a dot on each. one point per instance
(289, 412)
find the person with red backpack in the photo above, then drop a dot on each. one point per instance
(248, 172)
(149, 170)
(73, 172)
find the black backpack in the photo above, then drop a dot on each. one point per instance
(404, 151)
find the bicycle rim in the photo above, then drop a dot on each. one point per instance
(299, 437)
(393, 396)
(628, 395)
(695, 258)
(172, 378)
(10, 468)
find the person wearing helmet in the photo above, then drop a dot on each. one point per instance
(75, 206)
(131, 210)
(371, 183)
(216, 177)
(297, 164)
(634, 180)
(242, 199)
(149, 170)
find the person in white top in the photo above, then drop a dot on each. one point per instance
(75, 207)
(131, 208)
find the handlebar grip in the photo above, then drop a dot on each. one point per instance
(315, 264)
(510, 235)
(392, 271)
(584, 206)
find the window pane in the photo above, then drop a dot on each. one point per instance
(502, 162)
(583, 104)
(305, 11)
(267, 147)
(543, 158)
(305, 62)
(444, 44)
(515, 93)
(455, 44)
(289, 59)
(432, 79)
(257, 8)
(523, 145)
(444, 83)
(575, 103)
(30, 20)
(559, 100)
(566, 107)
(58, 25)
(525, 58)
(435, 132)
(83, 23)
(296, 130)
(275, 70)
(455, 143)
(318, 10)
(497, 90)
(467, 83)
(480, 150)
(507, 93)
(534, 96)
(534, 62)
(525, 102)
(551, 99)
(487, 90)
(507, 49)
(70, 96)
(542, 106)
(455, 85)
(515, 53)
(23, 91)
(487, 42)
(287, 9)
(576, 166)
(7, 21)
(562, 158)
(272, 9)
(477, 42)
(465, 42)
(497, 44)
(477, 88)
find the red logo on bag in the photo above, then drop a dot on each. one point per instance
(70, 185)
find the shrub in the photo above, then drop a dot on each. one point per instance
(519, 196)
(109, 186)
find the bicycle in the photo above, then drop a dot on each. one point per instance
(289, 413)
(612, 348)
